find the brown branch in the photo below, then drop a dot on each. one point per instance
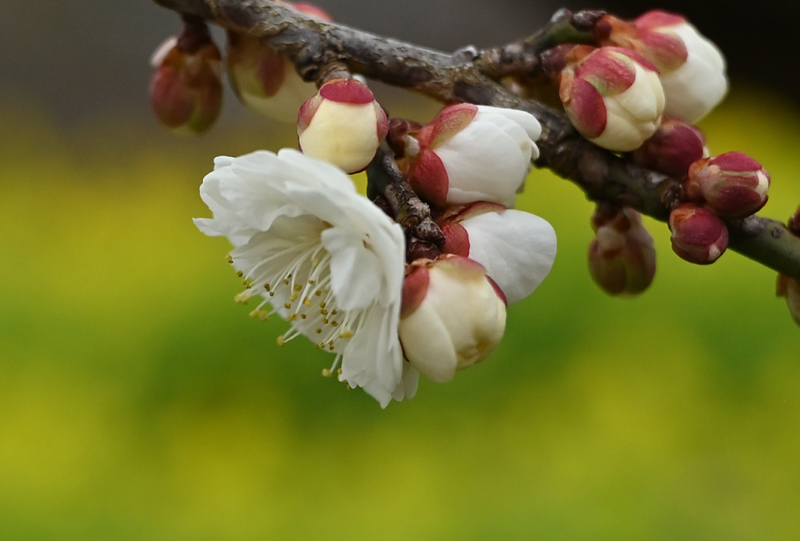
(466, 76)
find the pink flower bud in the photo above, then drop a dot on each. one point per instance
(516, 248)
(673, 148)
(264, 80)
(622, 259)
(342, 124)
(786, 287)
(472, 153)
(733, 184)
(452, 316)
(186, 89)
(613, 97)
(698, 235)
(692, 67)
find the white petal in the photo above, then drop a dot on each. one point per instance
(355, 270)
(516, 248)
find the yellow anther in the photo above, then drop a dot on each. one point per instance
(239, 274)
(271, 293)
(334, 323)
(293, 297)
(291, 317)
(322, 304)
(318, 331)
(312, 282)
(287, 305)
(228, 258)
(281, 340)
(333, 313)
(324, 321)
(323, 312)
(307, 302)
(298, 287)
(266, 286)
(303, 316)
(241, 298)
(326, 373)
(318, 293)
(346, 333)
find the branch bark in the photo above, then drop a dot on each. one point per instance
(465, 76)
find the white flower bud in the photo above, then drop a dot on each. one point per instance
(613, 98)
(692, 67)
(473, 153)
(452, 316)
(516, 248)
(342, 124)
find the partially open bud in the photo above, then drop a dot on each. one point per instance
(265, 81)
(622, 259)
(612, 96)
(673, 148)
(472, 153)
(342, 124)
(733, 184)
(692, 67)
(698, 235)
(186, 89)
(452, 316)
(786, 287)
(516, 248)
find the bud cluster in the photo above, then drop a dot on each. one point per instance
(616, 91)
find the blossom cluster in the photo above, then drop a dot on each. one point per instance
(416, 278)
(338, 268)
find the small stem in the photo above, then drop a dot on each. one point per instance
(425, 238)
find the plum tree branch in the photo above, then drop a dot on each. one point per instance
(469, 75)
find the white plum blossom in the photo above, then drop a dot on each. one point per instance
(516, 248)
(692, 67)
(328, 261)
(473, 153)
(453, 316)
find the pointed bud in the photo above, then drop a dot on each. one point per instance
(786, 287)
(452, 316)
(698, 235)
(516, 248)
(622, 259)
(612, 96)
(264, 80)
(673, 148)
(472, 153)
(692, 67)
(186, 89)
(733, 184)
(342, 124)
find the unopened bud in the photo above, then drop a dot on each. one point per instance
(452, 316)
(472, 153)
(516, 248)
(692, 69)
(672, 148)
(622, 259)
(733, 184)
(342, 124)
(186, 88)
(612, 96)
(698, 235)
(786, 287)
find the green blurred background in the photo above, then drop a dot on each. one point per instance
(139, 402)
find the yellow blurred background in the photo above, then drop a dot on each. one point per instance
(139, 402)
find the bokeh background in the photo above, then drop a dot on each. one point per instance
(138, 402)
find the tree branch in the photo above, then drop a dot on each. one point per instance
(466, 76)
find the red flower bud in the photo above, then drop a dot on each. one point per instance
(698, 235)
(673, 148)
(622, 260)
(733, 184)
(186, 89)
